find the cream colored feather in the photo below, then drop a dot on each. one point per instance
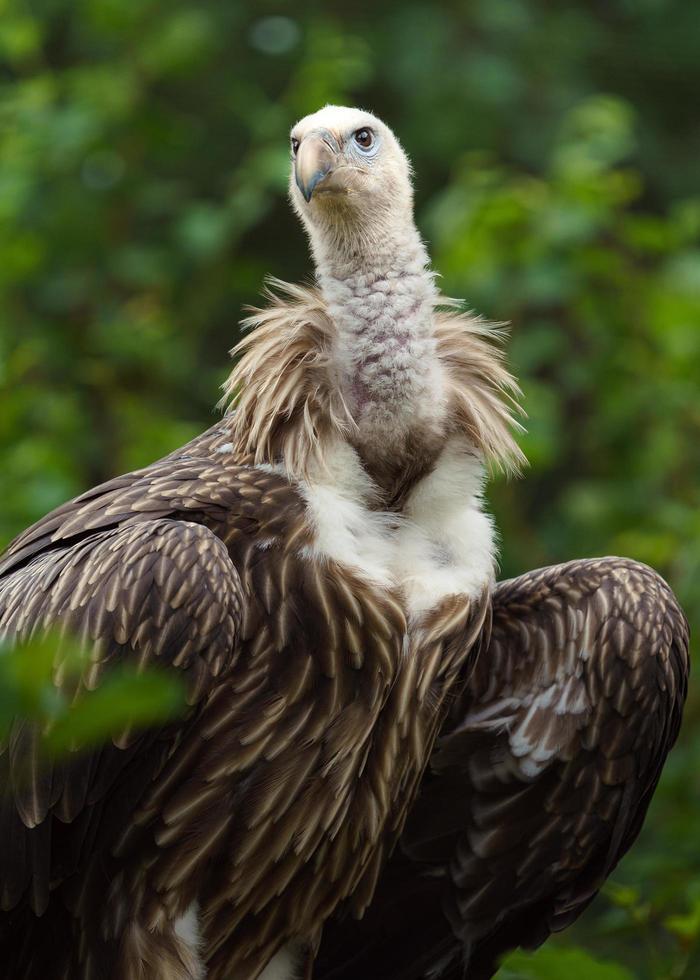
(285, 399)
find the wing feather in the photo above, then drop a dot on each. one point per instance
(144, 584)
(540, 780)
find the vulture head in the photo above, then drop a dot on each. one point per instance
(349, 174)
(372, 359)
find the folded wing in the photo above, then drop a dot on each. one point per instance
(132, 570)
(540, 781)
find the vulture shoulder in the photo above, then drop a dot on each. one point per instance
(539, 781)
(142, 570)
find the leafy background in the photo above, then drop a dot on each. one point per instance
(143, 159)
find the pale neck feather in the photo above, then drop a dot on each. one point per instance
(380, 293)
(289, 406)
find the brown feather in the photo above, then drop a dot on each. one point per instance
(539, 782)
(282, 789)
(288, 403)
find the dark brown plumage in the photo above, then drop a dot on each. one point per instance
(539, 782)
(308, 727)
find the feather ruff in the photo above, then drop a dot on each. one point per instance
(288, 403)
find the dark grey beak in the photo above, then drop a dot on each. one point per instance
(315, 160)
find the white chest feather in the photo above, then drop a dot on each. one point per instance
(441, 544)
(283, 966)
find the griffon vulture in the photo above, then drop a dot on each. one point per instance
(319, 570)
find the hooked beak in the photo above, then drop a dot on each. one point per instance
(315, 160)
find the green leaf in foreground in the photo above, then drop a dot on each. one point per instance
(126, 699)
(41, 681)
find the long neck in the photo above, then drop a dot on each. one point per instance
(380, 294)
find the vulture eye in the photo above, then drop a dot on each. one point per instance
(295, 146)
(364, 138)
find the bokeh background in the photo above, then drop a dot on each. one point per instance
(143, 162)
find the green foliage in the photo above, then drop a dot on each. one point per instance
(45, 681)
(553, 963)
(143, 158)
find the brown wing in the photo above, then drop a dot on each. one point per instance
(132, 569)
(540, 781)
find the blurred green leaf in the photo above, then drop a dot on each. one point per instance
(556, 963)
(126, 699)
(686, 927)
(44, 681)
